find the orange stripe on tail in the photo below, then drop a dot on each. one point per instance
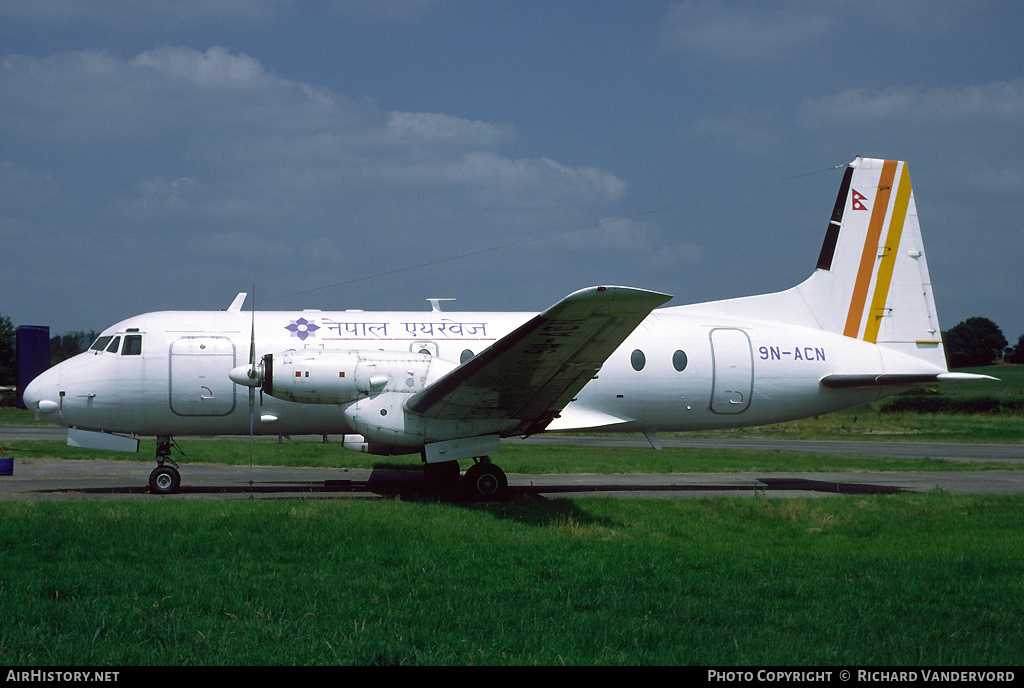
(867, 259)
(888, 261)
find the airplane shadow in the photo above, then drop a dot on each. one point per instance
(410, 485)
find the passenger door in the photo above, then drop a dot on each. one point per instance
(733, 363)
(200, 385)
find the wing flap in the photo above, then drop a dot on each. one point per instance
(533, 372)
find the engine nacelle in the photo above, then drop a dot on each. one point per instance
(339, 377)
(384, 420)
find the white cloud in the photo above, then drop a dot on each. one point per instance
(157, 197)
(210, 153)
(215, 69)
(616, 233)
(1005, 180)
(752, 31)
(142, 12)
(421, 128)
(164, 93)
(225, 104)
(964, 124)
(998, 103)
(393, 9)
(750, 130)
(772, 31)
(241, 247)
(20, 186)
(640, 244)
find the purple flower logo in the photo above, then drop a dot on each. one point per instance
(302, 328)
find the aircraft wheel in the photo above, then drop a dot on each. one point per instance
(485, 481)
(164, 480)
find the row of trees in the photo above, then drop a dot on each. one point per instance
(979, 342)
(973, 342)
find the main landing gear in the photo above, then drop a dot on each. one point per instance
(484, 481)
(165, 478)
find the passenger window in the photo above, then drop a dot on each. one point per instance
(100, 344)
(466, 356)
(114, 345)
(132, 345)
(638, 360)
(679, 361)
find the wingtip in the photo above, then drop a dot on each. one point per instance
(610, 292)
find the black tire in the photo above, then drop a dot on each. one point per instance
(485, 481)
(164, 480)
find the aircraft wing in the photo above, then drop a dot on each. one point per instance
(533, 372)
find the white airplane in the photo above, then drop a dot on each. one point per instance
(451, 385)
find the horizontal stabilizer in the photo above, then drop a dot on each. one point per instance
(533, 372)
(898, 380)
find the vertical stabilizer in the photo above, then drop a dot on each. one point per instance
(872, 281)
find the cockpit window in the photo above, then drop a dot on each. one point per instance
(112, 344)
(132, 345)
(100, 344)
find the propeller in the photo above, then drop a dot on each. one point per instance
(251, 373)
(250, 376)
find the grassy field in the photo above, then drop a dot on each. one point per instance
(893, 580)
(925, 579)
(514, 458)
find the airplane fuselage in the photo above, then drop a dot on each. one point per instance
(167, 373)
(451, 385)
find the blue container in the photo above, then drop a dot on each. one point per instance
(33, 356)
(6, 466)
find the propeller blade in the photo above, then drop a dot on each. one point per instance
(252, 376)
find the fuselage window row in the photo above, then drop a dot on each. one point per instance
(639, 360)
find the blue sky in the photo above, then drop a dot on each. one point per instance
(167, 154)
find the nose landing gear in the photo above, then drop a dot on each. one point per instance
(165, 478)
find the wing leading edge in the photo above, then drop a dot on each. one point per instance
(533, 372)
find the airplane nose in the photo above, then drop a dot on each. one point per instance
(41, 395)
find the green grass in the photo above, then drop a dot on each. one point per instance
(869, 423)
(9, 415)
(911, 579)
(891, 580)
(514, 458)
(1010, 383)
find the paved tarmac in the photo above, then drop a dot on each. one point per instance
(35, 479)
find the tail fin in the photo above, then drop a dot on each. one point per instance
(871, 280)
